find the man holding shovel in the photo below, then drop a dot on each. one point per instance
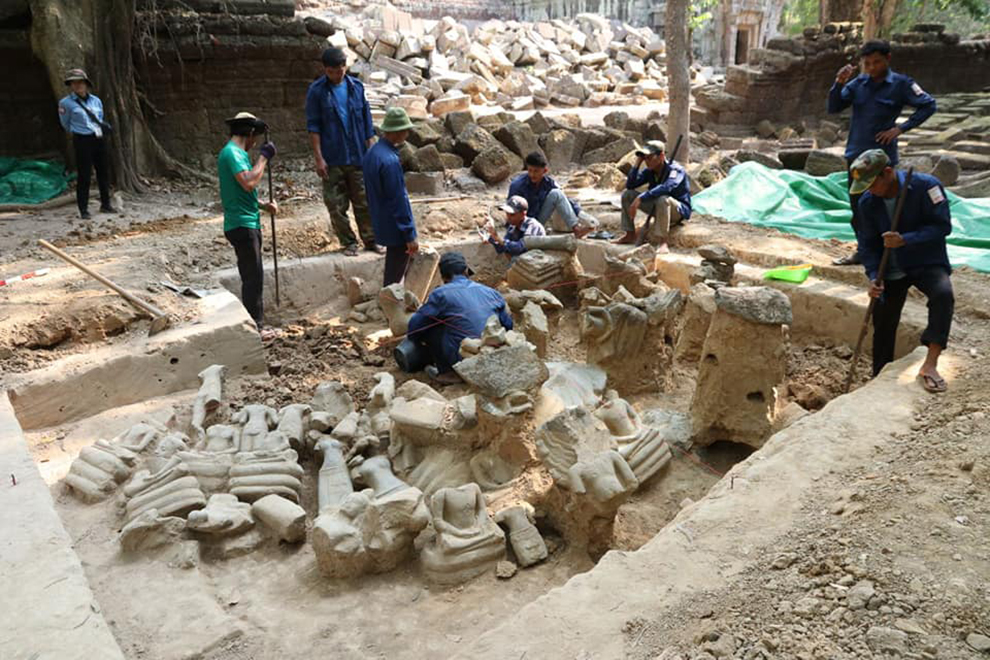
(917, 256)
(239, 182)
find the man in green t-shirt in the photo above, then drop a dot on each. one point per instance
(241, 210)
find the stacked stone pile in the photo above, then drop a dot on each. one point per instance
(494, 145)
(436, 67)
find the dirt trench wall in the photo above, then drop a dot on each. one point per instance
(790, 79)
(196, 72)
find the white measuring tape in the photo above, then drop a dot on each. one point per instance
(25, 276)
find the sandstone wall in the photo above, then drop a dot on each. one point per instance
(197, 73)
(789, 80)
(28, 108)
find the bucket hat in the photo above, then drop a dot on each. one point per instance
(395, 120)
(76, 74)
(246, 118)
(651, 148)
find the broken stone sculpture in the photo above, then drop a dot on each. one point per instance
(210, 469)
(293, 424)
(224, 515)
(643, 448)
(592, 296)
(149, 530)
(376, 473)
(379, 402)
(581, 460)
(332, 399)
(626, 273)
(208, 398)
(490, 471)
(420, 274)
(532, 322)
(546, 301)
(398, 305)
(614, 339)
(140, 436)
(285, 519)
(220, 439)
(464, 541)
(570, 385)
(173, 491)
(537, 269)
(558, 242)
(256, 474)
(334, 482)
(368, 534)
(256, 421)
(98, 469)
(504, 369)
(743, 362)
(525, 539)
(694, 326)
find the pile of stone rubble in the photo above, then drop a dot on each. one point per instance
(435, 67)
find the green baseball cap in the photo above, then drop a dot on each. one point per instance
(395, 120)
(866, 169)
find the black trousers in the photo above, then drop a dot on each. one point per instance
(396, 260)
(934, 282)
(247, 247)
(91, 152)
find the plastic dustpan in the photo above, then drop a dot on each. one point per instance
(795, 274)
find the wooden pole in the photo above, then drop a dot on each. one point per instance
(881, 271)
(271, 197)
(148, 308)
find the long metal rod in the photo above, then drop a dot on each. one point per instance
(271, 198)
(141, 305)
(881, 271)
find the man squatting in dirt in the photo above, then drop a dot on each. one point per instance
(241, 211)
(917, 257)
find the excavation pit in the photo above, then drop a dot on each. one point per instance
(205, 599)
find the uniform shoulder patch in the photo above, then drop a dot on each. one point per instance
(935, 193)
(61, 109)
(916, 88)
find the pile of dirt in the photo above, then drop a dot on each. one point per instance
(817, 373)
(890, 561)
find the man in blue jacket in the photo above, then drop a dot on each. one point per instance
(547, 202)
(517, 227)
(388, 201)
(917, 257)
(453, 312)
(877, 97)
(338, 119)
(667, 194)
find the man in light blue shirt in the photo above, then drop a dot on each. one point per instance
(81, 113)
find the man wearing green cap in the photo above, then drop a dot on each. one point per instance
(917, 258)
(239, 182)
(667, 194)
(388, 201)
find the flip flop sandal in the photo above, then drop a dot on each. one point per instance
(270, 334)
(351, 251)
(933, 384)
(601, 235)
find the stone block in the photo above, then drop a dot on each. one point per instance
(495, 164)
(427, 159)
(518, 138)
(457, 121)
(744, 155)
(424, 183)
(821, 163)
(472, 141)
(947, 170)
(610, 153)
(454, 102)
(285, 518)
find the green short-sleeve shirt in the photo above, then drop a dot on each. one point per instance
(240, 207)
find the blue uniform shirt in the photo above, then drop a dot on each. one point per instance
(343, 134)
(75, 120)
(388, 202)
(535, 195)
(513, 242)
(672, 182)
(925, 222)
(876, 107)
(455, 311)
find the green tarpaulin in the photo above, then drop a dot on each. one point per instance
(818, 207)
(30, 181)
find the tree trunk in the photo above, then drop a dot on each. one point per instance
(97, 35)
(878, 15)
(678, 77)
(841, 11)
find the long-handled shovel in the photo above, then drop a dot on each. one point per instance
(881, 271)
(271, 197)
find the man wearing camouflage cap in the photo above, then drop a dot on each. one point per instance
(667, 194)
(918, 256)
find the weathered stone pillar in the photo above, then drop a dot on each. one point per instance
(743, 361)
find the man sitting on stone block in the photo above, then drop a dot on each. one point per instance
(547, 202)
(667, 194)
(917, 258)
(454, 311)
(517, 226)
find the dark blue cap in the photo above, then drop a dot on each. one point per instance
(454, 263)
